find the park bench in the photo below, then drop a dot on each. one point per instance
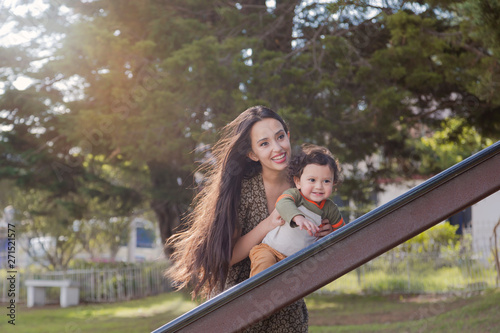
(36, 292)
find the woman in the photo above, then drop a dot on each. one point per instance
(235, 210)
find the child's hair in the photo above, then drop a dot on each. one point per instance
(313, 154)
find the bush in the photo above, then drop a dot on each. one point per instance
(435, 261)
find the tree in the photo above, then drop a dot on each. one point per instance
(98, 237)
(37, 157)
(48, 226)
(438, 152)
(153, 81)
(130, 54)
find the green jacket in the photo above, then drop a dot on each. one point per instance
(289, 239)
(289, 202)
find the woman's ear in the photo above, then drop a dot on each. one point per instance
(252, 156)
(288, 135)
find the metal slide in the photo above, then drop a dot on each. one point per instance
(342, 251)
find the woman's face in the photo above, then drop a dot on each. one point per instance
(270, 145)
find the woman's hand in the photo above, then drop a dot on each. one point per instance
(274, 220)
(243, 244)
(324, 229)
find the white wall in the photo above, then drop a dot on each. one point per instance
(485, 215)
(392, 191)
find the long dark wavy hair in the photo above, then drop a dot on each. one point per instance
(202, 252)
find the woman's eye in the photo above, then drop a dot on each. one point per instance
(263, 144)
(281, 137)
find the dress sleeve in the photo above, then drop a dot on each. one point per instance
(333, 215)
(287, 206)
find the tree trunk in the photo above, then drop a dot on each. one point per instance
(280, 38)
(169, 198)
(168, 215)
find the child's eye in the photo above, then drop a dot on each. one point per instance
(327, 181)
(311, 180)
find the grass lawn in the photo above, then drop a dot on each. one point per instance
(354, 313)
(422, 280)
(143, 315)
(328, 313)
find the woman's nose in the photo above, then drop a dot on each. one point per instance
(277, 147)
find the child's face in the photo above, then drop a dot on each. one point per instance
(316, 182)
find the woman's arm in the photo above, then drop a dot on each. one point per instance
(244, 243)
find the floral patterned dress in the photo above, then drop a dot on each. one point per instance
(252, 210)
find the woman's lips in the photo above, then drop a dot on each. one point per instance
(279, 158)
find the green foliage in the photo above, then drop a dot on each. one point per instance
(119, 105)
(98, 236)
(453, 143)
(436, 260)
(74, 222)
(417, 274)
(434, 239)
(40, 217)
(393, 284)
(85, 264)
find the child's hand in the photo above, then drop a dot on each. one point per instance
(304, 223)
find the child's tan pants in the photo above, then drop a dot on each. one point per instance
(263, 256)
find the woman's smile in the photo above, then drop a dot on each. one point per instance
(281, 158)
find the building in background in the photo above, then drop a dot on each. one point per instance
(144, 243)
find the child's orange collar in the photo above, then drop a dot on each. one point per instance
(320, 205)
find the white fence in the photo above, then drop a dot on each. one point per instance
(96, 285)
